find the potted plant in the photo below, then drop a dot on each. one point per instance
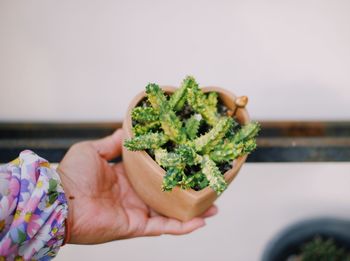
(184, 146)
(320, 239)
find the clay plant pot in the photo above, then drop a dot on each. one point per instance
(146, 176)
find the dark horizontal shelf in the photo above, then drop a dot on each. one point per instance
(277, 141)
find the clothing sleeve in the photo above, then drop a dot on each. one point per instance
(33, 209)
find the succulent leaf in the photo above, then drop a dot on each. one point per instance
(212, 100)
(198, 101)
(144, 114)
(170, 123)
(172, 177)
(249, 146)
(196, 181)
(247, 132)
(168, 159)
(172, 126)
(241, 143)
(209, 140)
(227, 152)
(192, 126)
(156, 96)
(188, 154)
(178, 98)
(141, 129)
(213, 174)
(146, 141)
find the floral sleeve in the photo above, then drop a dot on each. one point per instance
(33, 209)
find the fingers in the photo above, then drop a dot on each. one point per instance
(153, 213)
(110, 147)
(159, 225)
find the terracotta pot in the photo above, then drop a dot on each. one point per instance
(146, 175)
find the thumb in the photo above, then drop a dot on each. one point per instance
(111, 146)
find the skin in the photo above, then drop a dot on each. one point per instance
(102, 205)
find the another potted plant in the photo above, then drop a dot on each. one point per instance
(321, 239)
(184, 146)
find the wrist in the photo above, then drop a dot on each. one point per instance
(70, 202)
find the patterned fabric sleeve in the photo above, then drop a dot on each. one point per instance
(33, 209)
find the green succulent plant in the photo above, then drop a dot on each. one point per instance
(191, 147)
(322, 249)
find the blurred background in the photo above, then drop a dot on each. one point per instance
(83, 61)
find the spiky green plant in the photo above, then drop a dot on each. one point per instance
(322, 249)
(190, 147)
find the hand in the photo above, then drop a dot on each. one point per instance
(102, 206)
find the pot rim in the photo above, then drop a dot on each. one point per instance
(228, 175)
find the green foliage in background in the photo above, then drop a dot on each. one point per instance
(320, 249)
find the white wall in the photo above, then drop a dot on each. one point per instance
(84, 60)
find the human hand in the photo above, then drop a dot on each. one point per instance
(102, 205)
